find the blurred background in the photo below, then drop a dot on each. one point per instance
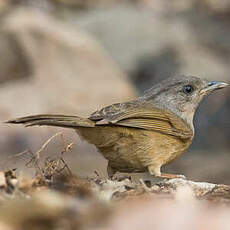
(75, 56)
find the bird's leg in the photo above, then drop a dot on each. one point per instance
(110, 171)
(155, 170)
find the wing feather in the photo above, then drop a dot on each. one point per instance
(143, 116)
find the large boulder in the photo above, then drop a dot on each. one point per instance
(49, 68)
(70, 72)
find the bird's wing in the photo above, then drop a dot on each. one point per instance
(143, 116)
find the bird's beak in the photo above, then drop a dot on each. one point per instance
(213, 85)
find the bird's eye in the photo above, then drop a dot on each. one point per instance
(188, 89)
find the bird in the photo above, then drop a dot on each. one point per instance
(144, 134)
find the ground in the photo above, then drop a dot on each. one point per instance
(55, 198)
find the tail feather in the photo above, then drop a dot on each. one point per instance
(54, 120)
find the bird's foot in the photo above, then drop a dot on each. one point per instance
(155, 170)
(171, 176)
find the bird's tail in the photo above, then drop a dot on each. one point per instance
(54, 120)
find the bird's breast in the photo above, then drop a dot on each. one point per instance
(132, 149)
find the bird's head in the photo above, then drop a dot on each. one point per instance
(181, 94)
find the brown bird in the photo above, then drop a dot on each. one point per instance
(144, 134)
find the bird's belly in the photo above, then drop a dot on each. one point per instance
(132, 150)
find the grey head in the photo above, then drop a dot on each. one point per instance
(181, 94)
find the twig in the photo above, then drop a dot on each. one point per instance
(68, 147)
(45, 144)
(19, 154)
